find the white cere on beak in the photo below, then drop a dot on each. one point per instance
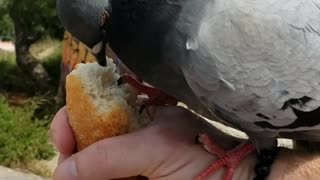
(97, 48)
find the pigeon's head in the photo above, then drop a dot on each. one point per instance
(86, 20)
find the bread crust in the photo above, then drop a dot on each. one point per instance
(88, 124)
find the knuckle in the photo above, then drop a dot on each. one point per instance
(100, 150)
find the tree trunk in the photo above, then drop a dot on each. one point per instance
(31, 66)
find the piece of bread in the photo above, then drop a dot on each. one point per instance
(97, 107)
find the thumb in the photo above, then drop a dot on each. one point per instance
(112, 158)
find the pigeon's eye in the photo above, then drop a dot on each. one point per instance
(104, 17)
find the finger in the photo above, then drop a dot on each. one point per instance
(113, 158)
(61, 133)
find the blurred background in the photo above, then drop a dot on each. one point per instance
(35, 56)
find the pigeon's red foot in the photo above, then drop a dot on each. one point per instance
(230, 159)
(155, 96)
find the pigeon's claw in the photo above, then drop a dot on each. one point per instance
(155, 96)
(230, 159)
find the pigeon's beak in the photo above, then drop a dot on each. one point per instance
(100, 48)
(101, 57)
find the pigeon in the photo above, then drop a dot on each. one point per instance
(252, 64)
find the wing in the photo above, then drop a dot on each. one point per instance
(257, 63)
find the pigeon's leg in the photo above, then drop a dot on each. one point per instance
(230, 159)
(156, 96)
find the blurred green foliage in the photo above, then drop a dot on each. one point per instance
(36, 18)
(26, 110)
(6, 28)
(23, 138)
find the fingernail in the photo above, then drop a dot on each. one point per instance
(67, 170)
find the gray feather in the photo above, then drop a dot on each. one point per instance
(254, 56)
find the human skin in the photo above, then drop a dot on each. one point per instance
(165, 149)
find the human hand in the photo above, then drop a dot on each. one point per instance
(165, 149)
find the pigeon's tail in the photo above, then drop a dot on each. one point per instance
(307, 146)
(311, 136)
(307, 141)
